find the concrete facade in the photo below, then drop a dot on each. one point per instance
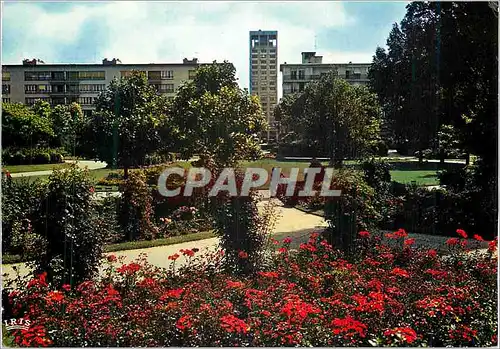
(296, 76)
(82, 83)
(263, 63)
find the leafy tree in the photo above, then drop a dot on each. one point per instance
(21, 127)
(334, 117)
(128, 121)
(216, 119)
(68, 123)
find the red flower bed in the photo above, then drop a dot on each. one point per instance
(386, 296)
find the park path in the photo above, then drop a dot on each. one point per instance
(290, 223)
(91, 165)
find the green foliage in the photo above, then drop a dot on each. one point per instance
(334, 118)
(376, 172)
(22, 127)
(216, 119)
(68, 123)
(28, 156)
(353, 211)
(136, 211)
(66, 221)
(21, 203)
(129, 123)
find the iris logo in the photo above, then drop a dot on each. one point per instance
(17, 324)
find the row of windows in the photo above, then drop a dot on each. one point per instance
(5, 100)
(81, 100)
(83, 88)
(164, 88)
(73, 75)
(158, 74)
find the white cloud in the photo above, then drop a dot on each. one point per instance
(142, 32)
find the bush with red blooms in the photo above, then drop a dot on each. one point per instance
(385, 296)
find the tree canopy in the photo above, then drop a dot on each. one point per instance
(215, 118)
(335, 118)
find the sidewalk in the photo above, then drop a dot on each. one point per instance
(91, 165)
(290, 223)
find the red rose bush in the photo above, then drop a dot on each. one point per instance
(386, 295)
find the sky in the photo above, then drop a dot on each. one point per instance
(167, 32)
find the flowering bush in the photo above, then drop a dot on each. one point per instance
(136, 211)
(385, 296)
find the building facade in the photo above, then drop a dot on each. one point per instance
(82, 83)
(263, 55)
(296, 76)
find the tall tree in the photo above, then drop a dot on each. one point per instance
(215, 118)
(126, 125)
(334, 117)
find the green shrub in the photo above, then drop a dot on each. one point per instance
(21, 203)
(353, 211)
(26, 156)
(67, 220)
(136, 210)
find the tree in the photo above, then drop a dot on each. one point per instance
(334, 117)
(126, 125)
(68, 123)
(432, 74)
(22, 127)
(216, 119)
(441, 68)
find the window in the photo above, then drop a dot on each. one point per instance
(191, 74)
(293, 75)
(263, 61)
(72, 75)
(254, 68)
(91, 75)
(29, 88)
(31, 100)
(36, 76)
(44, 88)
(86, 100)
(165, 88)
(125, 73)
(263, 67)
(272, 61)
(58, 88)
(154, 75)
(302, 75)
(6, 76)
(272, 88)
(347, 74)
(58, 75)
(272, 72)
(5, 89)
(91, 88)
(301, 86)
(167, 74)
(263, 50)
(263, 55)
(272, 51)
(5, 100)
(73, 88)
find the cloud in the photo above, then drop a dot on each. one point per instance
(152, 32)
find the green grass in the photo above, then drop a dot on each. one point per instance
(33, 168)
(133, 245)
(420, 177)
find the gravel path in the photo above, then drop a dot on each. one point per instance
(91, 165)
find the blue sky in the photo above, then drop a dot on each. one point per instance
(153, 32)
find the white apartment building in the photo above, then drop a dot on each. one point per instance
(263, 73)
(82, 83)
(296, 76)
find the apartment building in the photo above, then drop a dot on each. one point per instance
(296, 76)
(263, 73)
(82, 83)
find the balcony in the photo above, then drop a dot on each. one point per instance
(301, 78)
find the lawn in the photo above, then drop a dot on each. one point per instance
(421, 177)
(33, 168)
